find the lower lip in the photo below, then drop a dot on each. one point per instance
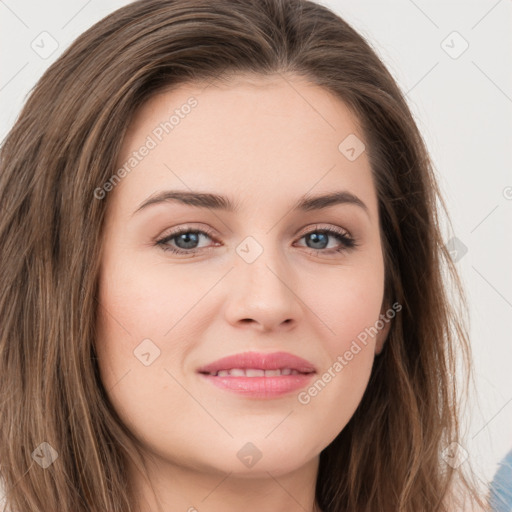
(261, 387)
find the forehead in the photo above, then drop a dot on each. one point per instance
(252, 135)
(247, 101)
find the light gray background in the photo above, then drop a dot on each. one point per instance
(463, 106)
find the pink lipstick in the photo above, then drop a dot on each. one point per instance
(259, 375)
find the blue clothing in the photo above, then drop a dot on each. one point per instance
(501, 486)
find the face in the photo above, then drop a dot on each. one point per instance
(266, 277)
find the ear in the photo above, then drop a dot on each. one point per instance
(383, 333)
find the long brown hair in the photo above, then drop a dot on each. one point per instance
(65, 144)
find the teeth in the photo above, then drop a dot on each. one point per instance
(236, 372)
(254, 372)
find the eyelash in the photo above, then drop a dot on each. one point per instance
(347, 241)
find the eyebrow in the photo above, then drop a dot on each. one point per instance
(219, 202)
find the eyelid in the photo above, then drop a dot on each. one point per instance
(185, 228)
(325, 227)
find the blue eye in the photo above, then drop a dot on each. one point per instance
(189, 238)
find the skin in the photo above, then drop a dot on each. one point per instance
(264, 144)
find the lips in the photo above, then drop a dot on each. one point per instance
(255, 364)
(260, 376)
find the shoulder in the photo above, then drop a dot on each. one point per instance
(501, 485)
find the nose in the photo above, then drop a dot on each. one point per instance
(263, 294)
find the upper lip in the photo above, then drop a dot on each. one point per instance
(262, 361)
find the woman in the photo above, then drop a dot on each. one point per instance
(264, 370)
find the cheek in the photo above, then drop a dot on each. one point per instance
(135, 356)
(133, 317)
(348, 305)
(349, 311)
(147, 324)
(143, 301)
